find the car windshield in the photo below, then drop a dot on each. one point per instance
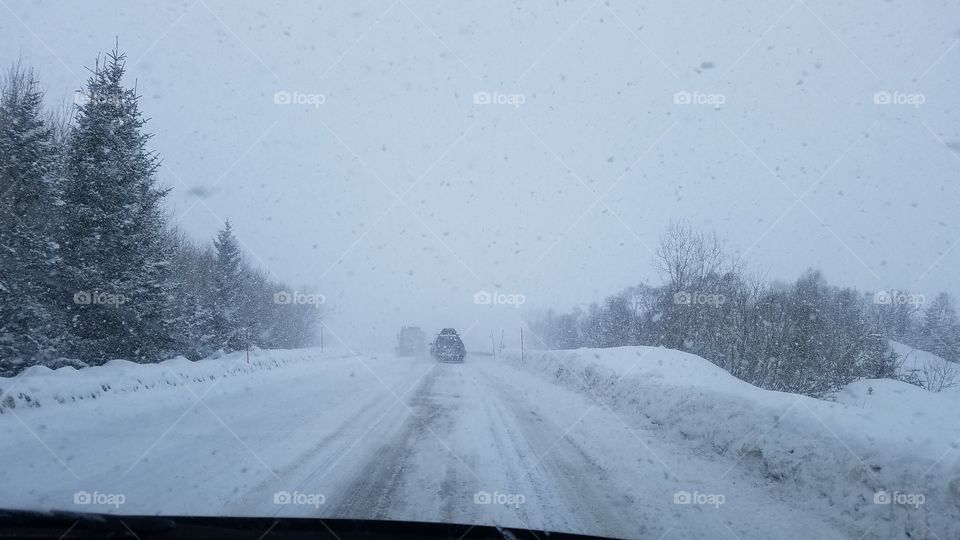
(626, 269)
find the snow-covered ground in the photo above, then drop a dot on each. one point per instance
(633, 442)
(879, 441)
(928, 369)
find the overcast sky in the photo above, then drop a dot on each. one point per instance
(399, 156)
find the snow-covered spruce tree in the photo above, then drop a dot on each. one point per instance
(191, 298)
(274, 324)
(203, 292)
(29, 158)
(115, 263)
(257, 309)
(219, 301)
(228, 328)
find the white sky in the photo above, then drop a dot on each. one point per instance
(561, 197)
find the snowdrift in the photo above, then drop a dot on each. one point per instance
(885, 453)
(40, 386)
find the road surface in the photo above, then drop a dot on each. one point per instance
(391, 438)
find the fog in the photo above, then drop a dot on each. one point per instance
(401, 157)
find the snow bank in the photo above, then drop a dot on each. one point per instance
(929, 370)
(40, 386)
(885, 453)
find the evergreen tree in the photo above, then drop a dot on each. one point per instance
(229, 330)
(113, 249)
(28, 199)
(193, 305)
(89, 266)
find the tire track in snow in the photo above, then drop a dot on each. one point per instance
(570, 486)
(372, 494)
(341, 428)
(330, 446)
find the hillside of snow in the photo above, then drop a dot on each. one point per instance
(878, 438)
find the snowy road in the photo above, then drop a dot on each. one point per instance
(479, 442)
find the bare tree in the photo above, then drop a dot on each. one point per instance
(687, 257)
(697, 269)
(939, 374)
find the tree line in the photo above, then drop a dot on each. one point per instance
(91, 267)
(805, 337)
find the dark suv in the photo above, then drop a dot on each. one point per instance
(448, 347)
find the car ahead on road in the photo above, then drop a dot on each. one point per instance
(411, 341)
(448, 347)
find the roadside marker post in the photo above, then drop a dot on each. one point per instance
(521, 345)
